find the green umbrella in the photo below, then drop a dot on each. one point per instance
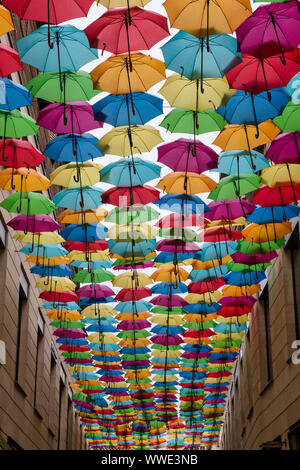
(245, 268)
(235, 186)
(289, 121)
(182, 233)
(134, 334)
(76, 355)
(249, 248)
(77, 86)
(15, 124)
(181, 120)
(29, 203)
(67, 324)
(136, 214)
(98, 275)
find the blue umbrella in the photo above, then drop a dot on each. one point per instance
(235, 162)
(164, 257)
(60, 270)
(126, 249)
(182, 203)
(164, 288)
(244, 279)
(85, 232)
(61, 305)
(119, 111)
(71, 49)
(247, 108)
(135, 171)
(44, 250)
(104, 347)
(61, 148)
(201, 308)
(216, 250)
(138, 305)
(86, 197)
(188, 55)
(105, 327)
(13, 95)
(170, 329)
(273, 214)
(92, 264)
(199, 275)
(230, 328)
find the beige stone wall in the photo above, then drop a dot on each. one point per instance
(30, 422)
(262, 409)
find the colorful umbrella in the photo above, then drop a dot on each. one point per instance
(10, 61)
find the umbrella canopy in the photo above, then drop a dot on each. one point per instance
(72, 147)
(10, 61)
(72, 174)
(137, 171)
(16, 124)
(75, 198)
(28, 203)
(236, 161)
(34, 223)
(6, 21)
(186, 121)
(189, 183)
(289, 120)
(19, 153)
(285, 148)
(13, 95)
(128, 195)
(281, 196)
(235, 186)
(136, 214)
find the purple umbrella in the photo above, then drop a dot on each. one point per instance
(169, 301)
(34, 223)
(75, 117)
(69, 333)
(136, 325)
(237, 301)
(272, 29)
(127, 267)
(229, 209)
(285, 148)
(177, 246)
(185, 155)
(172, 340)
(95, 290)
(241, 258)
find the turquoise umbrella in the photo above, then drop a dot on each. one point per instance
(136, 172)
(84, 197)
(235, 162)
(47, 250)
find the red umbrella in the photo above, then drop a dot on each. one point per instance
(89, 246)
(49, 11)
(20, 153)
(180, 220)
(129, 195)
(67, 296)
(234, 311)
(219, 234)
(122, 30)
(281, 196)
(203, 287)
(129, 294)
(205, 333)
(9, 61)
(255, 75)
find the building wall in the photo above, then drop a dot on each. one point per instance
(31, 402)
(263, 409)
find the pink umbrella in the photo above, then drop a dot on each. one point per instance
(285, 148)
(172, 340)
(186, 155)
(69, 333)
(34, 223)
(75, 117)
(177, 246)
(166, 300)
(229, 209)
(237, 301)
(95, 290)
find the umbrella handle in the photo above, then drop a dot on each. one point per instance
(77, 177)
(13, 186)
(103, 48)
(50, 44)
(207, 26)
(4, 138)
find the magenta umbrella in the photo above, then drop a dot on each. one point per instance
(285, 148)
(75, 117)
(187, 155)
(122, 30)
(272, 29)
(241, 258)
(127, 267)
(229, 209)
(237, 301)
(136, 325)
(171, 340)
(177, 246)
(169, 301)
(69, 333)
(95, 290)
(34, 223)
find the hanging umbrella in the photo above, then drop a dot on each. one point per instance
(13, 95)
(278, 196)
(62, 147)
(187, 55)
(9, 61)
(118, 110)
(202, 18)
(95, 290)
(94, 231)
(6, 21)
(28, 203)
(220, 234)
(127, 249)
(237, 161)
(267, 232)
(252, 248)
(124, 30)
(126, 280)
(182, 203)
(39, 238)
(23, 180)
(121, 3)
(259, 75)
(289, 119)
(283, 174)
(261, 108)
(235, 186)
(179, 221)
(76, 174)
(78, 198)
(16, 124)
(76, 86)
(136, 214)
(272, 29)
(184, 121)
(124, 141)
(229, 209)
(97, 276)
(285, 148)
(137, 172)
(48, 250)
(70, 50)
(129, 195)
(217, 250)
(20, 153)
(34, 223)
(132, 232)
(83, 216)
(186, 182)
(183, 155)
(76, 117)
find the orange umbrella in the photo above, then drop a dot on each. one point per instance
(189, 183)
(169, 274)
(243, 291)
(256, 233)
(80, 217)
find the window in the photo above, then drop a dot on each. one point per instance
(265, 339)
(52, 412)
(21, 329)
(294, 436)
(62, 383)
(39, 365)
(292, 249)
(69, 421)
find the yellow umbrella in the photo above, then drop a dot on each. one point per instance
(102, 310)
(170, 274)
(104, 338)
(189, 183)
(257, 233)
(80, 217)
(239, 222)
(185, 262)
(76, 255)
(243, 136)
(285, 174)
(52, 261)
(233, 320)
(23, 180)
(126, 280)
(55, 283)
(6, 22)
(76, 174)
(181, 92)
(169, 353)
(167, 319)
(50, 238)
(200, 317)
(207, 297)
(124, 141)
(128, 233)
(200, 17)
(122, 3)
(114, 75)
(239, 291)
